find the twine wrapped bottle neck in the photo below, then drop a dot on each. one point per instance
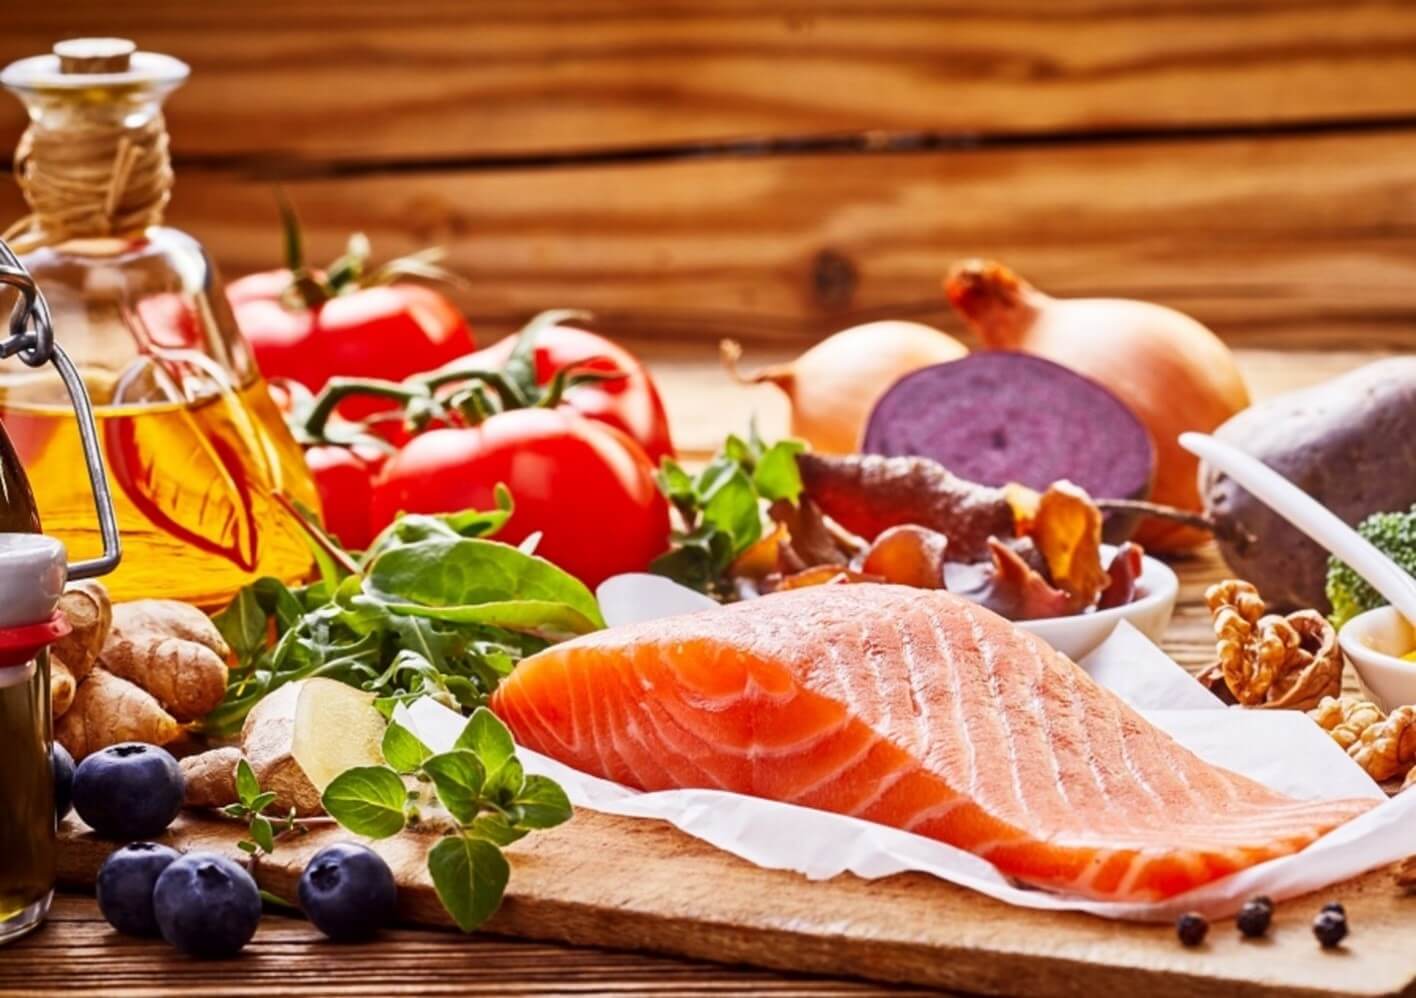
(90, 179)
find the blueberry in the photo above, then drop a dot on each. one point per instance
(206, 905)
(348, 891)
(1330, 927)
(63, 765)
(125, 884)
(1254, 917)
(129, 791)
(1191, 928)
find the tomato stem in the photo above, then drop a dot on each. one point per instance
(336, 390)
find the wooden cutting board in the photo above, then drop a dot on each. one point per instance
(602, 880)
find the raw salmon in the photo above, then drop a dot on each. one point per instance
(915, 709)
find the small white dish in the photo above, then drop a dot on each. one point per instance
(1374, 643)
(33, 570)
(1149, 612)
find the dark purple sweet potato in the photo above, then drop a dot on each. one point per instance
(1000, 417)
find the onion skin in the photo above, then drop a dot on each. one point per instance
(1174, 373)
(834, 386)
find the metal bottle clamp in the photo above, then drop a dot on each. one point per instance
(32, 338)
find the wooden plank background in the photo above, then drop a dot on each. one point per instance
(777, 169)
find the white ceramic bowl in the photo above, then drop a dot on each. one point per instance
(1149, 613)
(1373, 642)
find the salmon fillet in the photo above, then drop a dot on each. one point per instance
(911, 708)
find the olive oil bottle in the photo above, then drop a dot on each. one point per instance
(27, 819)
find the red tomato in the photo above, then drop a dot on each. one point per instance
(586, 486)
(630, 404)
(389, 332)
(344, 478)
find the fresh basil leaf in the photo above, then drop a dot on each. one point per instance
(263, 834)
(489, 738)
(468, 572)
(367, 800)
(248, 788)
(777, 475)
(542, 804)
(494, 828)
(470, 876)
(402, 750)
(458, 777)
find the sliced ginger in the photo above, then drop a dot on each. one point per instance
(337, 727)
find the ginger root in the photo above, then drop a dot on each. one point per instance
(173, 651)
(266, 740)
(1269, 660)
(108, 709)
(211, 777)
(89, 612)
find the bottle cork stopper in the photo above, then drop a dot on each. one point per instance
(94, 55)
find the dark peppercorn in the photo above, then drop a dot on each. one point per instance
(1191, 928)
(1330, 927)
(1264, 900)
(1254, 917)
(1335, 906)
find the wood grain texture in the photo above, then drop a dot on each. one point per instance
(76, 953)
(1300, 241)
(363, 79)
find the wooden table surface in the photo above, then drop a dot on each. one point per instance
(77, 953)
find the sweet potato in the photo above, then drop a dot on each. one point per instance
(1349, 442)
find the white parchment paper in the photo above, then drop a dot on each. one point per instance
(1284, 750)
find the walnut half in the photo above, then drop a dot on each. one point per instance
(1384, 746)
(1269, 660)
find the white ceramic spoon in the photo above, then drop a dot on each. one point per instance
(1309, 516)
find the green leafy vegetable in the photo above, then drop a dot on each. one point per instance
(481, 785)
(434, 608)
(721, 508)
(367, 800)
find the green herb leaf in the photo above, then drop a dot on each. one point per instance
(236, 811)
(248, 788)
(470, 876)
(489, 738)
(458, 777)
(263, 834)
(495, 828)
(542, 804)
(261, 801)
(278, 901)
(460, 575)
(247, 846)
(367, 800)
(777, 475)
(507, 782)
(402, 750)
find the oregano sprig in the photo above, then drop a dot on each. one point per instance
(490, 800)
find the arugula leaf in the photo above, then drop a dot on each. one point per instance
(368, 800)
(458, 776)
(402, 750)
(470, 875)
(414, 527)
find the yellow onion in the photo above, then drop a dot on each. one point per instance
(834, 385)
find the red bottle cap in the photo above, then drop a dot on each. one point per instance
(20, 644)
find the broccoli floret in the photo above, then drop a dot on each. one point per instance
(1394, 534)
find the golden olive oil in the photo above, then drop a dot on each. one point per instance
(198, 488)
